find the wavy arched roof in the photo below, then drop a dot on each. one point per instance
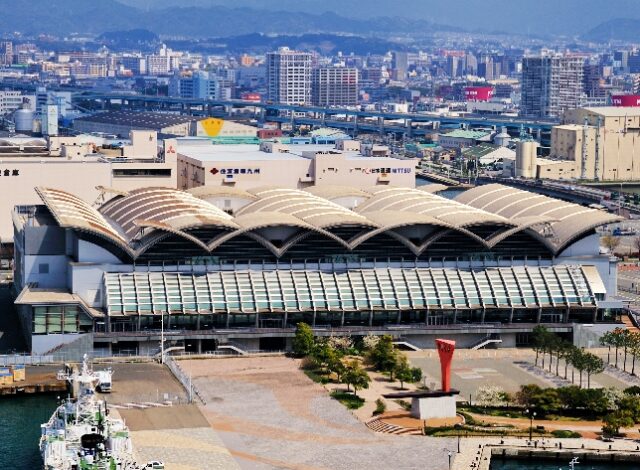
(485, 216)
(334, 191)
(72, 212)
(314, 210)
(204, 192)
(567, 221)
(414, 201)
(172, 208)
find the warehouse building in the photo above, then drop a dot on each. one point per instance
(121, 123)
(297, 164)
(381, 260)
(93, 168)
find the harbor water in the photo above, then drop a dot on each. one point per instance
(20, 420)
(556, 465)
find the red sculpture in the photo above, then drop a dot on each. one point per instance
(445, 351)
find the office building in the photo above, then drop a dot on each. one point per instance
(289, 76)
(551, 85)
(334, 86)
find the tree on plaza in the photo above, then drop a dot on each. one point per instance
(564, 353)
(636, 245)
(610, 242)
(592, 365)
(404, 372)
(616, 420)
(625, 341)
(303, 341)
(383, 356)
(356, 376)
(324, 354)
(607, 340)
(634, 349)
(336, 366)
(539, 340)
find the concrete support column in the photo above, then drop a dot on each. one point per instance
(511, 316)
(285, 319)
(566, 315)
(539, 316)
(371, 318)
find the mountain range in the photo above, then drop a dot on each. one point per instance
(63, 17)
(527, 17)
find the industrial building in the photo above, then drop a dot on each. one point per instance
(121, 123)
(382, 260)
(461, 138)
(289, 76)
(551, 85)
(298, 164)
(592, 144)
(601, 141)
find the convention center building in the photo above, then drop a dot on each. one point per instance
(220, 266)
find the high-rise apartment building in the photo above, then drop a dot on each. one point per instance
(334, 86)
(551, 85)
(289, 76)
(400, 65)
(6, 53)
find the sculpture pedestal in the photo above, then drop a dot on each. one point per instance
(439, 405)
(427, 405)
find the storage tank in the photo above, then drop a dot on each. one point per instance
(503, 138)
(23, 119)
(526, 159)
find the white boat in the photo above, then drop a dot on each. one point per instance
(81, 434)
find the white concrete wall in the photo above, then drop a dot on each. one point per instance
(433, 407)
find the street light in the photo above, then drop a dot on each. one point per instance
(449, 454)
(531, 416)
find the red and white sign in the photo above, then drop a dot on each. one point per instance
(478, 93)
(625, 101)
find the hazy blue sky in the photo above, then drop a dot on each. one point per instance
(535, 16)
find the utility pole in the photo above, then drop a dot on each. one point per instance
(162, 338)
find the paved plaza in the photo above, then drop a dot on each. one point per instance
(271, 416)
(503, 368)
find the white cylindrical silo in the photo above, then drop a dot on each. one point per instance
(23, 119)
(526, 159)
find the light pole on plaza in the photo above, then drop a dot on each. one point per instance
(449, 454)
(532, 415)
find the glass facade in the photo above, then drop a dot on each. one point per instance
(60, 319)
(353, 297)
